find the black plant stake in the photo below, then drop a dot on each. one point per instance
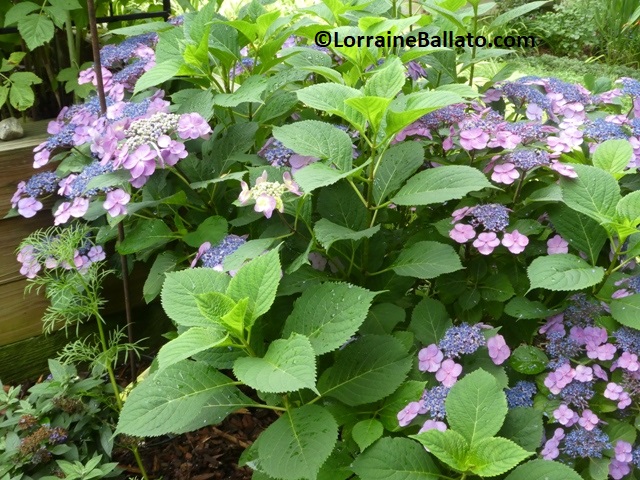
(95, 46)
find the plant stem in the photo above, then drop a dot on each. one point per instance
(473, 49)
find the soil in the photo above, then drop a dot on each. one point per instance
(208, 453)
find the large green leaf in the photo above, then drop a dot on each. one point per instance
(212, 230)
(328, 232)
(170, 399)
(194, 340)
(476, 407)
(366, 432)
(329, 314)
(521, 307)
(257, 280)
(523, 425)
(583, 233)
(395, 459)
(494, 456)
(319, 175)
(367, 370)
(387, 81)
(594, 193)
(289, 365)
(613, 156)
(179, 294)
(449, 446)
(626, 310)
(147, 234)
(330, 98)
(158, 74)
(426, 260)
(628, 208)
(397, 164)
(250, 91)
(35, 30)
(441, 184)
(298, 443)
(317, 139)
(165, 262)
(563, 273)
(543, 469)
(529, 360)
(429, 321)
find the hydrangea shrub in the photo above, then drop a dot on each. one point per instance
(420, 278)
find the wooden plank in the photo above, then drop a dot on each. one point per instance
(27, 359)
(16, 161)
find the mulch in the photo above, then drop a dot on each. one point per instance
(208, 453)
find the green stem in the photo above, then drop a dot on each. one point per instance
(474, 48)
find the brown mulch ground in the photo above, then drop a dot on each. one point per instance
(208, 453)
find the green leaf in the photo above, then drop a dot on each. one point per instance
(563, 273)
(21, 97)
(408, 109)
(441, 184)
(626, 310)
(395, 459)
(476, 407)
(180, 290)
(426, 260)
(497, 288)
(449, 447)
(599, 468)
(246, 251)
(159, 73)
(327, 233)
(214, 305)
(319, 175)
(373, 108)
(582, 232)
(250, 91)
(366, 371)
(528, 360)
(317, 139)
(628, 208)
(164, 263)
(258, 280)
(193, 341)
(514, 13)
(429, 321)
(366, 432)
(298, 443)
(111, 179)
(613, 156)
(194, 100)
(330, 98)
(211, 230)
(523, 426)
(543, 469)
(36, 30)
(494, 456)
(594, 193)
(25, 78)
(329, 314)
(520, 307)
(397, 164)
(233, 320)
(19, 11)
(171, 398)
(289, 365)
(147, 234)
(387, 81)
(382, 319)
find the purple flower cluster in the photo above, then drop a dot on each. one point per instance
(521, 394)
(439, 359)
(213, 256)
(34, 259)
(492, 218)
(591, 371)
